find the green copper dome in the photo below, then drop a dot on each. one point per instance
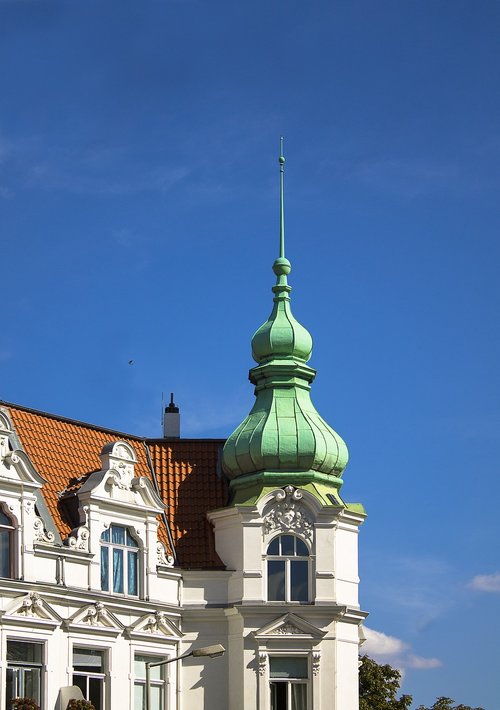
(281, 335)
(284, 435)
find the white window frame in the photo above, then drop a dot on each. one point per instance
(89, 674)
(12, 536)
(21, 666)
(288, 560)
(291, 681)
(162, 682)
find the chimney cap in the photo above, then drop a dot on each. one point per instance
(172, 408)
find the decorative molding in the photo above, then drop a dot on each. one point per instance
(31, 605)
(289, 625)
(119, 458)
(31, 610)
(316, 658)
(262, 663)
(162, 558)
(95, 615)
(156, 624)
(288, 514)
(285, 630)
(78, 539)
(41, 534)
(94, 618)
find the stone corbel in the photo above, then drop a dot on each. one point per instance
(41, 534)
(162, 558)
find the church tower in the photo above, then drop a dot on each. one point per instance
(287, 536)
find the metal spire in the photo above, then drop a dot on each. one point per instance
(282, 201)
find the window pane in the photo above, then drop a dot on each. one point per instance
(117, 535)
(301, 548)
(278, 696)
(105, 568)
(156, 696)
(118, 571)
(105, 535)
(139, 701)
(299, 581)
(81, 682)
(5, 539)
(88, 659)
(132, 572)
(274, 547)
(130, 541)
(4, 519)
(276, 580)
(24, 652)
(288, 667)
(287, 545)
(32, 683)
(95, 692)
(299, 696)
(12, 690)
(140, 661)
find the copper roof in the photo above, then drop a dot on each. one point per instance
(65, 451)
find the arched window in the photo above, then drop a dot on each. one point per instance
(119, 561)
(287, 570)
(6, 545)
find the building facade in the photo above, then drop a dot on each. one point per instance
(117, 550)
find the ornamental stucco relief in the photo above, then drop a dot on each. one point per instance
(262, 663)
(288, 514)
(316, 658)
(95, 615)
(161, 556)
(32, 605)
(78, 539)
(155, 622)
(286, 630)
(42, 535)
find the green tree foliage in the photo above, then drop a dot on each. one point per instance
(378, 687)
(443, 703)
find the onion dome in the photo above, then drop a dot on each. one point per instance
(281, 335)
(283, 437)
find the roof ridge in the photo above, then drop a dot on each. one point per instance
(78, 422)
(108, 430)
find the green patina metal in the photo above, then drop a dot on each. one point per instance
(283, 440)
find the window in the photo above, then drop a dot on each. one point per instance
(157, 683)
(88, 674)
(24, 671)
(119, 561)
(288, 682)
(287, 570)
(6, 545)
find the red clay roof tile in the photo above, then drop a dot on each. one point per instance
(66, 451)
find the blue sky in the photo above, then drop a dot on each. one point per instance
(139, 221)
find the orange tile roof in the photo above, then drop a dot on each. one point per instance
(65, 451)
(186, 470)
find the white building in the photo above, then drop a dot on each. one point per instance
(117, 550)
